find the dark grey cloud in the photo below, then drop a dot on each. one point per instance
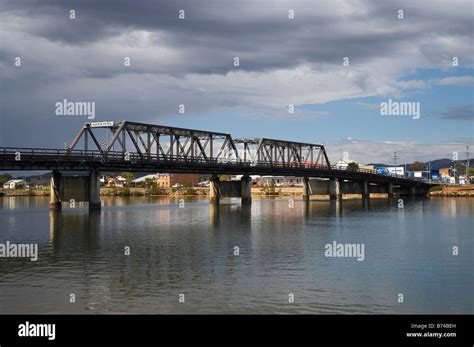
(259, 32)
(190, 61)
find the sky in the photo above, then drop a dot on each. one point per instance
(335, 61)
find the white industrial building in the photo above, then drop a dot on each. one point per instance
(12, 184)
(279, 181)
(143, 178)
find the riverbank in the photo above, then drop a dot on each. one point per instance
(448, 191)
(196, 191)
(454, 191)
(24, 192)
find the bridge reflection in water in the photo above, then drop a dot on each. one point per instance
(78, 228)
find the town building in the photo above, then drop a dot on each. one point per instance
(445, 171)
(366, 167)
(279, 181)
(167, 180)
(38, 183)
(282, 181)
(117, 182)
(342, 164)
(13, 184)
(390, 170)
(141, 180)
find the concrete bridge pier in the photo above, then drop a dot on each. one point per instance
(246, 189)
(55, 191)
(214, 189)
(390, 190)
(72, 188)
(214, 214)
(341, 187)
(94, 190)
(334, 189)
(306, 188)
(365, 203)
(364, 188)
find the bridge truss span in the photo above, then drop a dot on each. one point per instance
(284, 153)
(163, 143)
(131, 146)
(154, 142)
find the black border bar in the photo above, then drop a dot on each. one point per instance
(241, 329)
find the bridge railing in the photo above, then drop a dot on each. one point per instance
(38, 154)
(67, 155)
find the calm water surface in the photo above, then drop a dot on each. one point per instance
(190, 250)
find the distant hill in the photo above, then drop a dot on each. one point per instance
(440, 163)
(444, 163)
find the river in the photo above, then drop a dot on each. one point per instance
(267, 257)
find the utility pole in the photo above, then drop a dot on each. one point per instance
(395, 157)
(467, 165)
(429, 170)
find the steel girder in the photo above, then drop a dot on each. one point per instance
(283, 153)
(156, 142)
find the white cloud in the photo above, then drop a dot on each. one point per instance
(190, 62)
(366, 151)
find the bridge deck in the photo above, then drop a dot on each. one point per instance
(12, 158)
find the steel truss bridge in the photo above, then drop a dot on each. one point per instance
(131, 146)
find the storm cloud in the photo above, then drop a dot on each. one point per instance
(190, 61)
